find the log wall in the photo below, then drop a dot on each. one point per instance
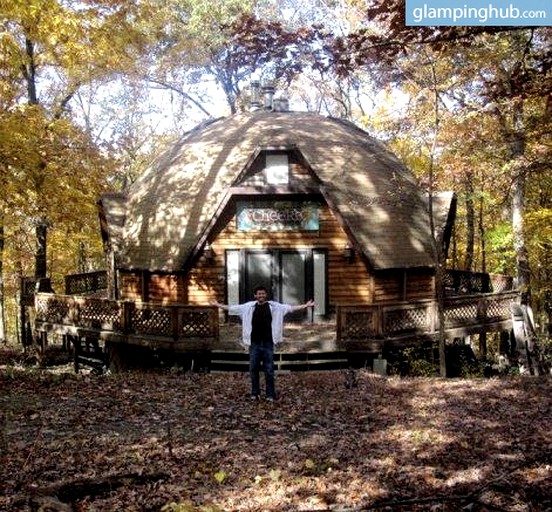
(420, 284)
(165, 288)
(152, 287)
(404, 285)
(130, 286)
(348, 283)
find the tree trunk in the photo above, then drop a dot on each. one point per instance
(470, 223)
(440, 289)
(41, 227)
(41, 231)
(481, 228)
(29, 72)
(528, 348)
(522, 256)
(3, 336)
(517, 151)
(438, 253)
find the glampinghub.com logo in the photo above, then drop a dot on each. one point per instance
(475, 12)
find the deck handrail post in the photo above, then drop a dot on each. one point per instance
(338, 324)
(378, 321)
(126, 316)
(215, 322)
(482, 310)
(433, 316)
(74, 310)
(176, 319)
(457, 280)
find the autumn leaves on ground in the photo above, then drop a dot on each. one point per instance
(191, 442)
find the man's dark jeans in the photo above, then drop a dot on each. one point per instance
(262, 352)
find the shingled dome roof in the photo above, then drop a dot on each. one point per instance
(160, 220)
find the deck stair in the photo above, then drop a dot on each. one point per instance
(283, 361)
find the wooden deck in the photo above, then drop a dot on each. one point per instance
(298, 338)
(184, 328)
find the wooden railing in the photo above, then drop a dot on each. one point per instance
(85, 284)
(362, 324)
(462, 282)
(463, 315)
(69, 314)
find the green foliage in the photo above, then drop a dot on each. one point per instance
(469, 368)
(423, 368)
(220, 477)
(499, 240)
(545, 347)
(416, 361)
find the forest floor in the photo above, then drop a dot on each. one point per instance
(167, 441)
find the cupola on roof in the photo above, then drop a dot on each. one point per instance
(157, 224)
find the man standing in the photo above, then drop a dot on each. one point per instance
(262, 328)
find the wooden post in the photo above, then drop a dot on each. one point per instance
(126, 316)
(483, 345)
(22, 326)
(378, 321)
(338, 325)
(213, 314)
(433, 317)
(482, 312)
(482, 307)
(176, 319)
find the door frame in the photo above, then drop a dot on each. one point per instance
(275, 289)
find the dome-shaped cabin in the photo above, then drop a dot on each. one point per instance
(309, 206)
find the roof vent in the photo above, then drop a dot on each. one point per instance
(255, 95)
(281, 104)
(268, 94)
(263, 98)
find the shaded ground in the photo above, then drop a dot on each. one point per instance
(173, 442)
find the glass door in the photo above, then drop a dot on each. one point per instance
(290, 276)
(258, 272)
(292, 279)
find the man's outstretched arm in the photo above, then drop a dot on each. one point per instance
(219, 305)
(309, 304)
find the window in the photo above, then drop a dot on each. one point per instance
(277, 168)
(319, 281)
(233, 276)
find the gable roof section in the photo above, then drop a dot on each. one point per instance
(169, 208)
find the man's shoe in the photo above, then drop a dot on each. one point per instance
(270, 399)
(254, 398)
